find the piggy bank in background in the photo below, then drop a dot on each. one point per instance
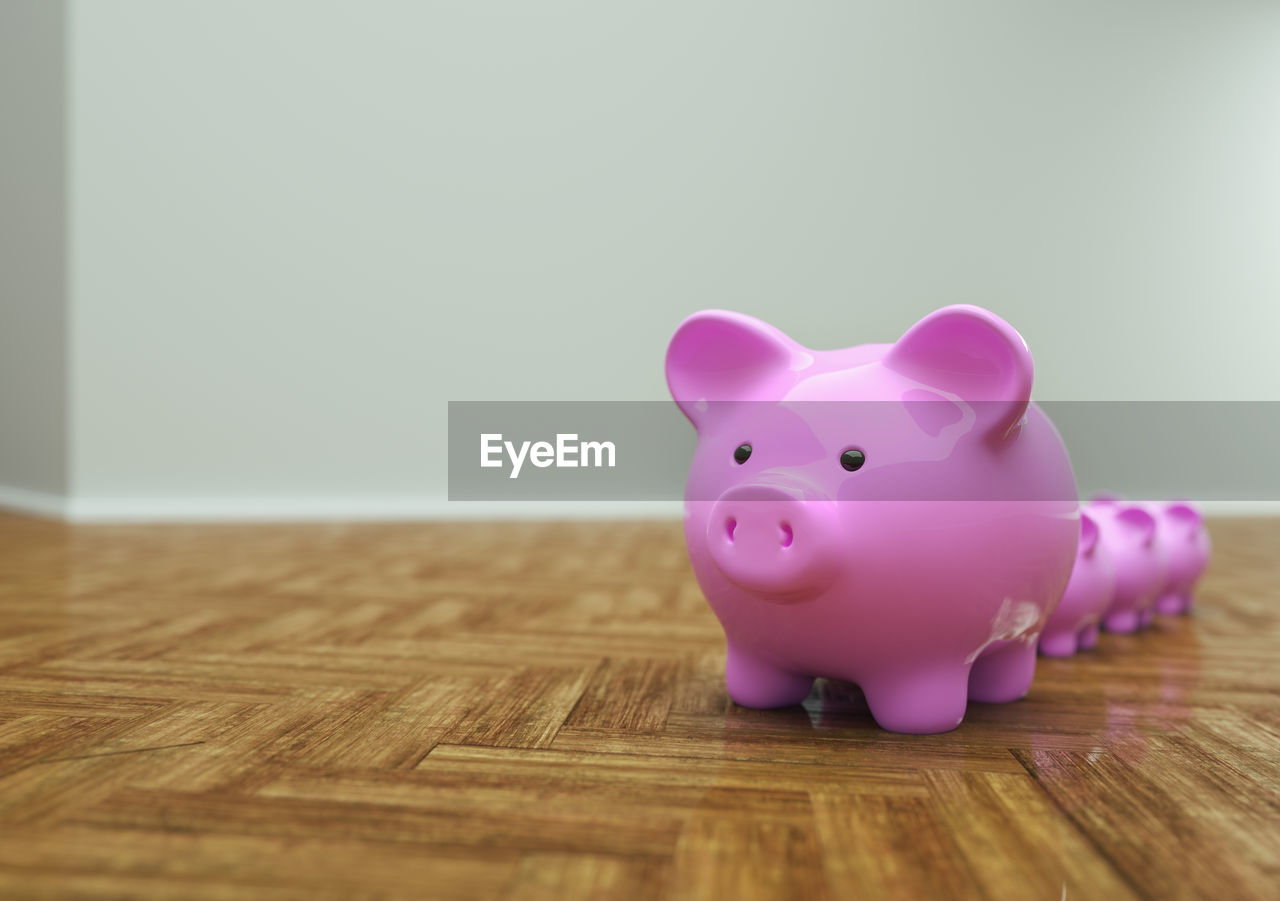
(896, 515)
(1073, 625)
(1182, 535)
(1128, 531)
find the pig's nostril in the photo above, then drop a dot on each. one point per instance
(729, 525)
(787, 535)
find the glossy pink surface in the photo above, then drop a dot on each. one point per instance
(1128, 531)
(926, 575)
(1184, 539)
(1073, 625)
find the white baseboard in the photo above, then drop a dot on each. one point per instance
(231, 509)
(384, 509)
(1240, 508)
(41, 503)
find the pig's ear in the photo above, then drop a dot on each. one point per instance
(1185, 514)
(971, 353)
(716, 355)
(1139, 523)
(1088, 533)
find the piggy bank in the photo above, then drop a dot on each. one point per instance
(1073, 625)
(896, 515)
(1181, 532)
(1128, 530)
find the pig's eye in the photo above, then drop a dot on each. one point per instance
(852, 459)
(743, 453)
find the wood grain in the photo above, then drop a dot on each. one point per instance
(511, 711)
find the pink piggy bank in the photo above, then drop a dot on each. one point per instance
(1073, 625)
(896, 515)
(1184, 539)
(1128, 530)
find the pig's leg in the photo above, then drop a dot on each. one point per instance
(1003, 674)
(1124, 622)
(754, 683)
(1059, 644)
(1089, 638)
(1176, 601)
(1170, 603)
(919, 701)
(1146, 618)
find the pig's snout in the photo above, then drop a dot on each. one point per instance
(774, 543)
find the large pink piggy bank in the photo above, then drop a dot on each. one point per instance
(1182, 534)
(1073, 625)
(1128, 530)
(896, 515)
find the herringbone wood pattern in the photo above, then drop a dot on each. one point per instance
(537, 710)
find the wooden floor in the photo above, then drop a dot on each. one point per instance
(537, 711)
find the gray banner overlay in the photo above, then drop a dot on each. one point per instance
(641, 450)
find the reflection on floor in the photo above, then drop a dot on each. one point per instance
(476, 710)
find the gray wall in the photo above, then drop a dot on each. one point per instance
(33, 299)
(299, 228)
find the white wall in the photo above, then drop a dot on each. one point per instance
(299, 228)
(33, 302)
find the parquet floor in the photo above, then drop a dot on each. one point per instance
(536, 711)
